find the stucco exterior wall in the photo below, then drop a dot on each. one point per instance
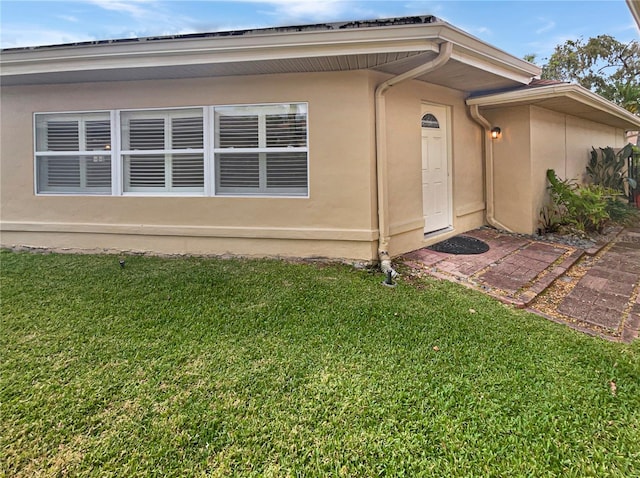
(512, 167)
(404, 111)
(533, 140)
(582, 135)
(336, 220)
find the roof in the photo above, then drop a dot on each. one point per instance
(393, 46)
(565, 98)
(357, 24)
(634, 7)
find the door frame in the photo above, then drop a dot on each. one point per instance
(425, 108)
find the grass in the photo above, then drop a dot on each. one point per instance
(203, 367)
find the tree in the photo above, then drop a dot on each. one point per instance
(601, 64)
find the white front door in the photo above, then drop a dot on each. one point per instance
(436, 194)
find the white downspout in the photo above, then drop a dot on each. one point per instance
(444, 54)
(488, 168)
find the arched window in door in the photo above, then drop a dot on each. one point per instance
(430, 121)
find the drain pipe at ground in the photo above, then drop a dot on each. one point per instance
(381, 150)
(488, 168)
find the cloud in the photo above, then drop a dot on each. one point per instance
(305, 10)
(315, 9)
(482, 30)
(68, 18)
(146, 18)
(17, 37)
(549, 25)
(135, 8)
(544, 49)
(478, 31)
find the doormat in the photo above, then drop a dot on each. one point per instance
(461, 245)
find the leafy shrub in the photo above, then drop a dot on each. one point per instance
(550, 219)
(622, 213)
(584, 207)
(608, 169)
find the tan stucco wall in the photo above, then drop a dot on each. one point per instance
(337, 220)
(533, 140)
(512, 167)
(404, 111)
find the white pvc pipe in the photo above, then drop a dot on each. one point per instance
(444, 54)
(488, 168)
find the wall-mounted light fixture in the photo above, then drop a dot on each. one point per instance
(496, 132)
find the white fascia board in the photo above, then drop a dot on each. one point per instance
(159, 53)
(182, 57)
(267, 46)
(472, 51)
(574, 92)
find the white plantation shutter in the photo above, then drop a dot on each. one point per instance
(261, 149)
(145, 133)
(61, 172)
(187, 170)
(63, 136)
(74, 174)
(287, 170)
(286, 130)
(248, 150)
(187, 133)
(97, 135)
(163, 150)
(62, 143)
(238, 171)
(237, 131)
(98, 172)
(146, 171)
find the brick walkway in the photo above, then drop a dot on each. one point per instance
(519, 270)
(607, 296)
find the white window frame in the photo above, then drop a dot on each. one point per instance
(80, 153)
(168, 153)
(209, 152)
(262, 110)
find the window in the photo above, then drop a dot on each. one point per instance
(163, 150)
(225, 150)
(430, 121)
(261, 149)
(73, 153)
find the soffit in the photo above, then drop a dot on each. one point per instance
(233, 68)
(454, 74)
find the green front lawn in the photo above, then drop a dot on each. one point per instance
(204, 367)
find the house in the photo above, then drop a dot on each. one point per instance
(359, 140)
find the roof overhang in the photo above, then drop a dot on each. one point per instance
(564, 98)
(634, 7)
(387, 46)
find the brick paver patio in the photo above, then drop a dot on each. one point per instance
(607, 295)
(517, 269)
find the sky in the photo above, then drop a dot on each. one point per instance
(517, 27)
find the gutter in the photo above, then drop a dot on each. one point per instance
(488, 168)
(384, 238)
